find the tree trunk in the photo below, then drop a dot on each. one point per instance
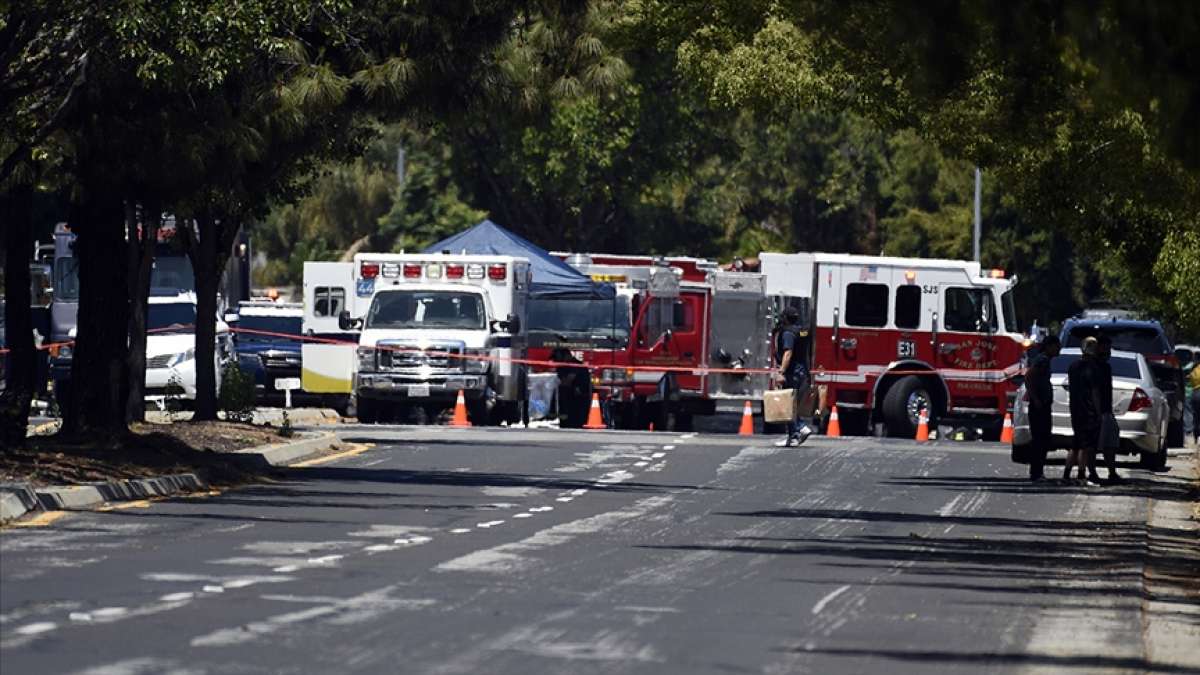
(141, 242)
(18, 317)
(204, 262)
(99, 380)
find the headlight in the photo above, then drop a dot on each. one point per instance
(181, 357)
(366, 358)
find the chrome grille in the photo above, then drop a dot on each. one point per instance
(400, 356)
(160, 361)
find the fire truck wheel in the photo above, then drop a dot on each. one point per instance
(368, 411)
(477, 412)
(903, 404)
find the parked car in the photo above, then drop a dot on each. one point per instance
(170, 347)
(1141, 408)
(267, 342)
(1145, 337)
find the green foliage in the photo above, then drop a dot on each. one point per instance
(236, 398)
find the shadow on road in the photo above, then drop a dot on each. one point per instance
(1050, 661)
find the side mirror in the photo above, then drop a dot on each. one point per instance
(231, 317)
(514, 324)
(344, 320)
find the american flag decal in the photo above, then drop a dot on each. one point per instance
(868, 273)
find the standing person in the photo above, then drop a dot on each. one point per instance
(1191, 423)
(1103, 391)
(574, 388)
(1041, 401)
(1193, 380)
(793, 369)
(1085, 418)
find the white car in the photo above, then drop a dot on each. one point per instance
(171, 348)
(1140, 406)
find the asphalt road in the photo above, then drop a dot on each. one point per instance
(502, 551)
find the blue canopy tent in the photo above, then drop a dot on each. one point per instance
(552, 278)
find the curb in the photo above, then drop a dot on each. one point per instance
(18, 499)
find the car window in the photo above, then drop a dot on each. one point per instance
(1140, 339)
(1121, 367)
(908, 307)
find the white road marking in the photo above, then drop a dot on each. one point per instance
(35, 628)
(579, 492)
(658, 455)
(565, 499)
(210, 588)
(325, 559)
(540, 509)
(509, 557)
(510, 491)
(460, 530)
(746, 457)
(641, 464)
(667, 447)
(618, 476)
(82, 617)
(176, 597)
(523, 515)
(828, 598)
(109, 612)
(380, 548)
(490, 523)
(286, 568)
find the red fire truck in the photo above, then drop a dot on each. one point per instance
(683, 315)
(893, 336)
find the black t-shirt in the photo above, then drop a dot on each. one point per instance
(1082, 378)
(789, 339)
(1039, 382)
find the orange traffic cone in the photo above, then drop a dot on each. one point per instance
(652, 426)
(922, 426)
(747, 427)
(1006, 433)
(834, 428)
(595, 420)
(460, 412)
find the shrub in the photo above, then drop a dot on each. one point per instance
(236, 397)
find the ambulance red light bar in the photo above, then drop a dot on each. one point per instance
(369, 270)
(412, 271)
(455, 271)
(497, 272)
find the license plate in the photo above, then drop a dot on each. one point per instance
(418, 390)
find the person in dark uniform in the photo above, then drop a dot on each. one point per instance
(1041, 401)
(1102, 382)
(791, 348)
(574, 388)
(1085, 415)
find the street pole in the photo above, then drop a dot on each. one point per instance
(978, 226)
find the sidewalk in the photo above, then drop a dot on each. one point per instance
(1171, 581)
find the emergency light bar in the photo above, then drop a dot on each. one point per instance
(475, 271)
(412, 271)
(497, 272)
(369, 270)
(390, 270)
(996, 274)
(433, 271)
(454, 271)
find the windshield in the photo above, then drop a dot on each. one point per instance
(66, 279)
(1011, 325)
(174, 272)
(280, 325)
(1125, 338)
(427, 309)
(571, 317)
(171, 317)
(1121, 367)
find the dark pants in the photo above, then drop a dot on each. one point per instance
(1195, 403)
(1040, 429)
(797, 381)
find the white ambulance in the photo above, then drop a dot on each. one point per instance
(430, 325)
(893, 336)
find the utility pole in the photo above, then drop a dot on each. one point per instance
(978, 225)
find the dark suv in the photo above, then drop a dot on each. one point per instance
(1148, 338)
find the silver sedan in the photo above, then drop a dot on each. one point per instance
(1140, 406)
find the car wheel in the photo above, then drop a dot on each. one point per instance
(368, 411)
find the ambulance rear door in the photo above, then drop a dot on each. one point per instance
(329, 356)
